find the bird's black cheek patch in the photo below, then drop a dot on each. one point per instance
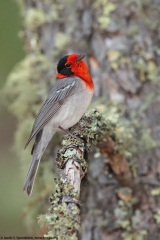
(66, 72)
(64, 68)
(61, 64)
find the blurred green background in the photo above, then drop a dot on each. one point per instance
(12, 199)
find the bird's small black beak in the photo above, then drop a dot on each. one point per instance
(80, 57)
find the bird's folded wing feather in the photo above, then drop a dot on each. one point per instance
(58, 94)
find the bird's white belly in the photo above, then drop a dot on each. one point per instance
(72, 110)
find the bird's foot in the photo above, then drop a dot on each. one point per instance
(68, 132)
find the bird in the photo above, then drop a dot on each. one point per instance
(66, 103)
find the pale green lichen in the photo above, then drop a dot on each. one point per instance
(157, 216)
(66, 152)
(62, 40)
(155, 192)
(62, 223)
(105, 8)
(22, 88)
(128, 220)
(147, 69)
(127, 131)
(34, 18)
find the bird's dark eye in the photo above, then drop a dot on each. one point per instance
(64, 67)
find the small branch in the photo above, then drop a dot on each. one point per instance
(66, 206)
(93, 129)
(73, 174)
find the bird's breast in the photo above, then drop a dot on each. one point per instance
(73, 108)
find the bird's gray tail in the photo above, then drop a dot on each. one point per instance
(41, 142)
(28, 186)
(37, 152)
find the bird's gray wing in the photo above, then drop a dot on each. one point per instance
(58, 94)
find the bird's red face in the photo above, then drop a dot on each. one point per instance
(72, 65)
